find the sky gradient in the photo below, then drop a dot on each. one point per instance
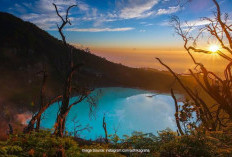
(131, 32)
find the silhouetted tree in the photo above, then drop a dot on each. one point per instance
(78, 128)
(105, 128)
(177, 114)
(69, 69)
(11, 130)
(87, 50)
(43, 105)
(219, 88)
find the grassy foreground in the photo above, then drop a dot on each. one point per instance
(166, 144)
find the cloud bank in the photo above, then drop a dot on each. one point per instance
(42, 14)
(100, 29)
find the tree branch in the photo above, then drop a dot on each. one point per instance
(177, 113)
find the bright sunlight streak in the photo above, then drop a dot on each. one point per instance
(213, 48)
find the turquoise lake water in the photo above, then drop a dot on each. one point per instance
(126, 110)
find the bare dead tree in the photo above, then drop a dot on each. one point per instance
(213, 116)
(177, 114)
(87, 50)
(105, 129)
(93, 102)
(36, 118)
(78, 128)
(11, 130)
(42, 97)
(115, 128)
(69, 70)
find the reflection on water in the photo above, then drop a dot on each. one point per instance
(126, 110)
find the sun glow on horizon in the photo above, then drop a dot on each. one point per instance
(214, 48)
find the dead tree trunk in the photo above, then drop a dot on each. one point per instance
(105, 129)
(43, 106)
(11, 131)
(37, 117)
(177, 113)
(70, 68)
(38, 123)
(60, 123)
(42, 98)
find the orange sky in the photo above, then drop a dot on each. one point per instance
(177, 58)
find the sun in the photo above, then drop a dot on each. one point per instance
(213, 48)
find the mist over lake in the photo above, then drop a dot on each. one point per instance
(126, 110)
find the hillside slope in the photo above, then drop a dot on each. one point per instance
(24, 47)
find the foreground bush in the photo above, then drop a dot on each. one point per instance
(169, 144)
(166, 144)
(38, 144)
(45, 144)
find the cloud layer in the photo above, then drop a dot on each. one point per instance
(170, 10)
(100, 29)
(138, 9)
(42, 14)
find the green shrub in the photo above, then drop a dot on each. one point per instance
(39, 144)
(165, 143)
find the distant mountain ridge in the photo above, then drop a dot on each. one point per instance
(24, 47)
